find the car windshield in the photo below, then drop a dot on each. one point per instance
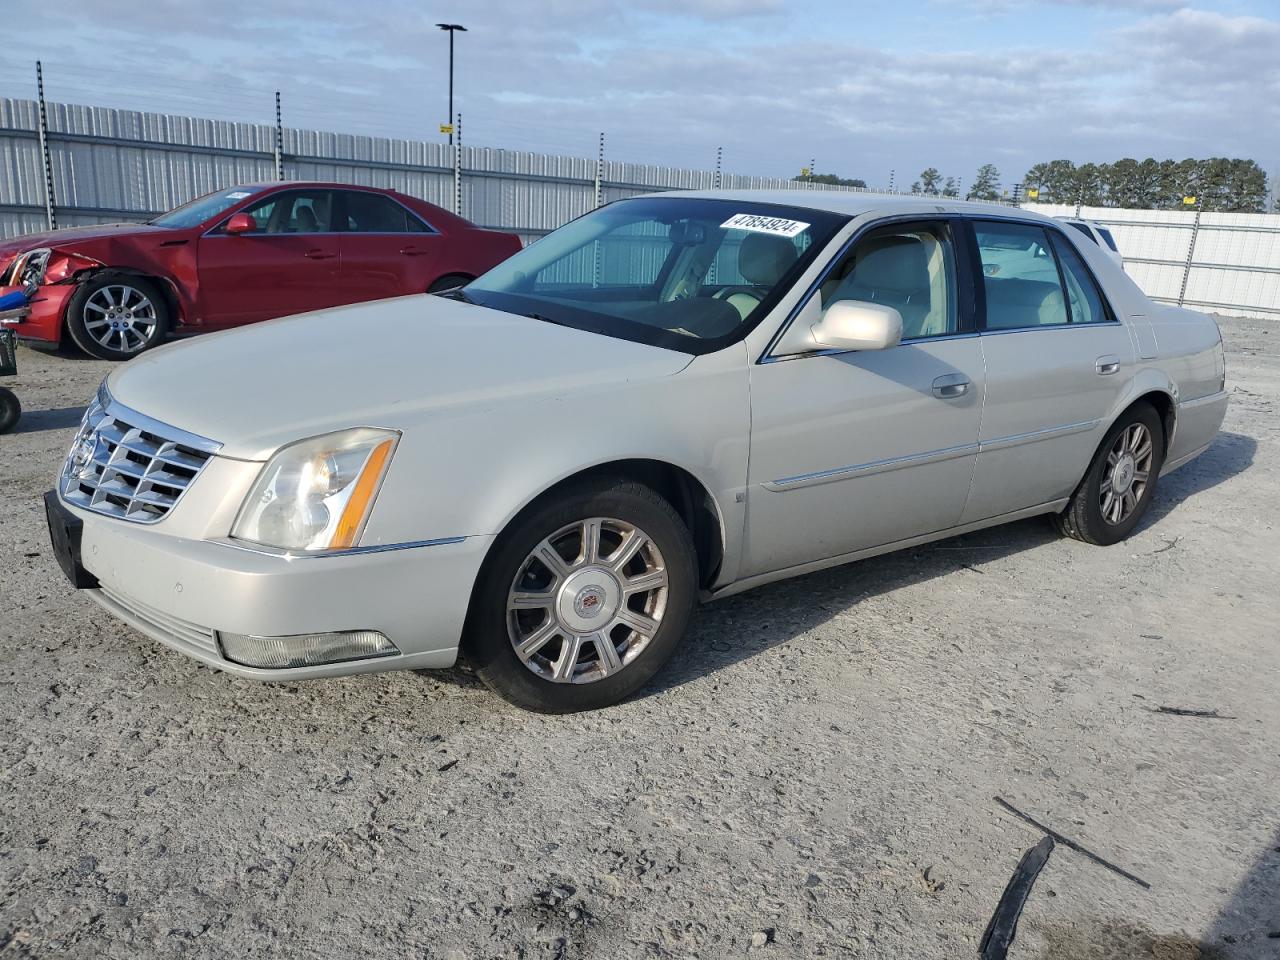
(201, 209)
(684, 273)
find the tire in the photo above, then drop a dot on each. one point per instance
(568, 671)
(1093, 517)
(450, 281)
(10, 410)
(115, 317)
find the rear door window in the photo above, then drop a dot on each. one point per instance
(374, 213)
(1020, 276)
(1034, 277)
(1084, 301)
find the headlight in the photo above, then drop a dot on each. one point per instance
(29, 268)
(316, 494)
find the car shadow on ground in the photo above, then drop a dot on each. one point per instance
(37, 421)
(737, 628)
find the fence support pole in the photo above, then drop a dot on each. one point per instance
(457, 166)
(279, 140)
(50, 217)
(600, 172)
(891, 181)
(719, 158)
(1191, 254)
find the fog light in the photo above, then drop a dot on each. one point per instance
(304, 650)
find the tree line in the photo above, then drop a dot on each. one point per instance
(1220, 184)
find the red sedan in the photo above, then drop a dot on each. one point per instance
(238, 256)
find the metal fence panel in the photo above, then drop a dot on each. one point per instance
(1225, 262)
(110, 165)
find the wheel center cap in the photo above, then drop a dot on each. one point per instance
(1122, 476)
(589, 599)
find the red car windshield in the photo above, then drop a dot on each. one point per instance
(201, 209)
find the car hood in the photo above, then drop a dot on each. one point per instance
(391, 364)
(70, 237)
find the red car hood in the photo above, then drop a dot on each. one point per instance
(70, 237)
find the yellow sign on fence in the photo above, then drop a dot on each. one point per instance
(1033, 193)
(1190, 201)
(446, 128)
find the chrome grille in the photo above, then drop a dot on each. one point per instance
(126, 465)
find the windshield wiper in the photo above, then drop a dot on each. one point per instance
(457, 293)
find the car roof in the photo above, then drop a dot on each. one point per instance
(314, 184)
(856, 203)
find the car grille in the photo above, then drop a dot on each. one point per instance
(125, 465)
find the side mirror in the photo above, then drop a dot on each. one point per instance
(241, 223)
(858, 325)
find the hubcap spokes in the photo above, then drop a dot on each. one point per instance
(120, 317)
(1127, 474)
(587, 600)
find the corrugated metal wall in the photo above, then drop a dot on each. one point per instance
(1229, 262)
(111, 165)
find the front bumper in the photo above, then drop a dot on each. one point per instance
(181, 592)
(43, 316)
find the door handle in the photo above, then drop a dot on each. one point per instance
(1107, 365)
(319, 254)
(413, 252)
(951, 386)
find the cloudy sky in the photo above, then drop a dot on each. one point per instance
(863, 87)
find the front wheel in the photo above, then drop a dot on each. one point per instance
(10, 410)
(1121, 481)
(117, 317)
(583, 599)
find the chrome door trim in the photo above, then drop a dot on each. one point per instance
(918, 459)
(868, 469)
(1018, 439)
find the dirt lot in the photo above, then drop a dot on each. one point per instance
(813, 775)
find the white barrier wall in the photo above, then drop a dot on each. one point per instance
(1226, 262)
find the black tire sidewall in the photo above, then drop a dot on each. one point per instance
(486, 643)
(450, 281)
(10, 410)
(1097, 529)
(75, 316)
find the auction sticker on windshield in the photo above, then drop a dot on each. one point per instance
(758, 224)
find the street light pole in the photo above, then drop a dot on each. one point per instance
(451, 28)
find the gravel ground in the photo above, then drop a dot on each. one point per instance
(813, 776)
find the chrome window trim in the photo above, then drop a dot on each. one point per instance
(932, 456)
(1050, 326)
(767, 355)
(267, 551)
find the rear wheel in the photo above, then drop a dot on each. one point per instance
(117, 317)
(1121, 481)
(449, 281)
(583, 599)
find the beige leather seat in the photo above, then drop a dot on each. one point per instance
(763, 259)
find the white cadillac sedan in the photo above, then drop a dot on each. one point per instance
(674, 397)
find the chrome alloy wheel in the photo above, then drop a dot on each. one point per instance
(1127, 473)
(119, 312)
(587, 600)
